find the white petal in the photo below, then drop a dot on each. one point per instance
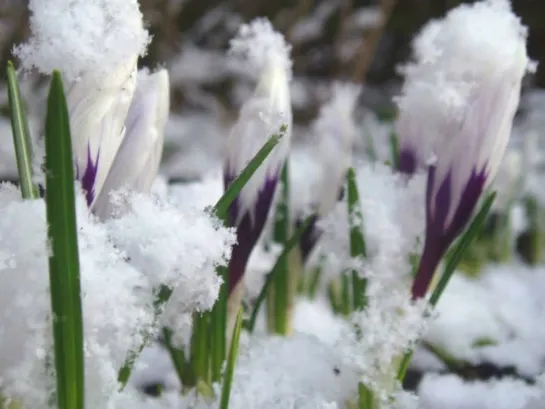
(137, 161)
(97, 115)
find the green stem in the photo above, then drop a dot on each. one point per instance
(366, 399)
(292, 242)
(278, 297)
(177, 356)
(21, 136)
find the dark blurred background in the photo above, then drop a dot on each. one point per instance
(332, 39)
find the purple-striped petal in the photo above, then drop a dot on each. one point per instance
(249, 228)
(440, 232)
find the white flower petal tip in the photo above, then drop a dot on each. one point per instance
(467, 72)
(138, 158)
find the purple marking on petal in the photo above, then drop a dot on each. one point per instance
(249, 229)
(309, 238)
(440, 236)
(406, 162)
(89, 176)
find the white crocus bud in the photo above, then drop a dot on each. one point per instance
(95, 45)
(336, 133)
(461, 95)
(138, 158)
(269, 108)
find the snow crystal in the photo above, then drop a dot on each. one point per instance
(82, 36)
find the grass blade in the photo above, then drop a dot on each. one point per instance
(357, 240)
(64, 260)
(291, 243)
(279, 292)
(222, 206)
(21, 136)
(124, 373)
(231, 361)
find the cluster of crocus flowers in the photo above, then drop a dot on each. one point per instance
(456, 113)
(117, 131)
(336, 132)
(263, 114)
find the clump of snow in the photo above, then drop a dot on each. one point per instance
(113, 310)
(177, 247)
(122, 264)
(468, 65)
(315, 317)
(257, 43)
(503, 306)
(298, 372)
(451, 392)
(174, 247)
(81, 36)
(393, 220)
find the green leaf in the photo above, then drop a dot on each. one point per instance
(231, 361)
(279, 293)
(64, 278)
(461, 247)
(357, 240)
(21, 136)
(222, 206)
(394, 148)
(291, 243)
(366, 398)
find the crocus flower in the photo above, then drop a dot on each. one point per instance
(336, 132)
(261, 116)
(137, 161)
(460, 98)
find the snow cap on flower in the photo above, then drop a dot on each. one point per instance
(263, 115)
(456, 113)
(83, 37)
(137, 161)
(472, 59)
